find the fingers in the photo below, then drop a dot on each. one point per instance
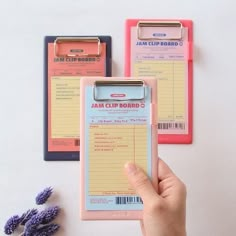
(169, 182)
(164, 170)
(140, 182)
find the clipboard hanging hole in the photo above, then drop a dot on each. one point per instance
(166, 30)
(77, 51)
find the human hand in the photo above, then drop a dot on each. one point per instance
(164, 210)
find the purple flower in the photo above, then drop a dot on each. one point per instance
(27, 215)
(50, 214)
(32, 224)
(47, 230)
(43, 196)
(12, 224)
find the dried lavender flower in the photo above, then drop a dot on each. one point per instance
(47, 230)
(11, 224)
(32, 224)
(43, 196)
(27, 216)
(50, 214)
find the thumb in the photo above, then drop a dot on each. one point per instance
(140, 182)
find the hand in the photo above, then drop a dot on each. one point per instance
(164, 211)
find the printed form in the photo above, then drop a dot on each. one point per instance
(64, 94)
(117, 132)
(65, 106)
(165, 60)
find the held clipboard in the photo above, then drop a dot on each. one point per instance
(66, 59)
(164, 49)
(118, 124)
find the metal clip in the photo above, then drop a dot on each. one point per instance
(118, 83)
(173, 24)
(60, 40)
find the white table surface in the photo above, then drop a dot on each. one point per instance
(207, 166)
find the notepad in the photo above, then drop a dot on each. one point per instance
(66, 60)
(163, 49)
(118, 124)
(65, 107)
(110, 147)
(172, 94)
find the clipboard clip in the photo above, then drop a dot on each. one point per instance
(163, 24)
(119, 90)
(60, 40)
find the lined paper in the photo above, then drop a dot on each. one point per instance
(110, 147)
(171, 86)
(65, 107)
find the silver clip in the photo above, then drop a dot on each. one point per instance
(159, 24)
(125, 83)
(60, 40)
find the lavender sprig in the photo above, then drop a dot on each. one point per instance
(32, 224)
(27, 216)
(47, 230)
(12, 224)
(43, 196)
(50, 214)
(35, 223)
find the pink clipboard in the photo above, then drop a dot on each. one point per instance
(156, 47)
(118, 124)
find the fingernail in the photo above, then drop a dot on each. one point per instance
(130, 167)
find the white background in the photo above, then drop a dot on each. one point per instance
(207, 166)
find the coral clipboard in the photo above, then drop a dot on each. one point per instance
(118, 124)
(66, 59)
(164, 49)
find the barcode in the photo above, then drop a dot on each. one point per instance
(128, 200)
(173, 125)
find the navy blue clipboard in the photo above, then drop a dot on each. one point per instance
(67, 155)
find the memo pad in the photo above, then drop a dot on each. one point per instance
(163, 48)
(66, 60)
(118, 124)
